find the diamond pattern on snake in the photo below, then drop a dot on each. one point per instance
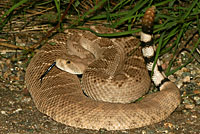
(115, 73)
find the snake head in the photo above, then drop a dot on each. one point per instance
(73, 65)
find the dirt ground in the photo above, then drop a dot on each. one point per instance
(18, 115)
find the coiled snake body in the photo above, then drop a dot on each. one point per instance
(114, 79)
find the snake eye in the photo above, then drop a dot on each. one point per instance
(68, 62)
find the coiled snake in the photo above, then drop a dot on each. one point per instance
(113, 76)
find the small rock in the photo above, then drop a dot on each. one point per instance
(3, 112)
(169, 125)
(194, 116)
(178, 73)
(26, 100)
(166, 131)
(197, 100)
(186, 79)
(17, 110)
(193, 72)
(179, 84)
(171, 78)
(184, 69)
(11, 102)
(189, 106)
(19, 62)
(186, 112)
(144, 132)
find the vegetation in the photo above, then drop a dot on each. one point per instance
(173, 19)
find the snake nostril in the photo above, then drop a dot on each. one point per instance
(68, 62)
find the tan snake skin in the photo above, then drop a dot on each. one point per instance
(121, 76)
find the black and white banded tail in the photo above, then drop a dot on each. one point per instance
(148, 51)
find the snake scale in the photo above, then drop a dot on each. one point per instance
(111, 82)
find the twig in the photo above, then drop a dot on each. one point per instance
(9, 51)
(37, 13)
(35, 46)
(12, 46)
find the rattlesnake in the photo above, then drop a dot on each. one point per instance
(59, 93)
